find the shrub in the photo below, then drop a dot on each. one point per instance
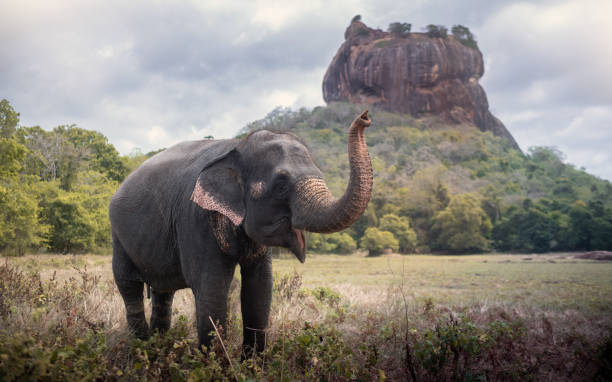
(338, 242)
(464, 36)
(462, 226)
(376, 241)
(399, 29)
(439, 31)
(401, 230)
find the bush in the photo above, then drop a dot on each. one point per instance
(376, 241)
(436, 31)
(56, 331)
(463, 34)
(20, 228)
(399, 29)
(72, 229)
(400, 228)
(338, 242)
(462, 226)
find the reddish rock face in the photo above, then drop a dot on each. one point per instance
(415, 74)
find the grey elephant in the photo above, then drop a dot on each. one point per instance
(188, 215)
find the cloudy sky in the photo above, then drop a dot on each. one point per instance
(151, 73)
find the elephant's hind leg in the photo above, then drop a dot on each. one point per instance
(161, 314)
(131, 290)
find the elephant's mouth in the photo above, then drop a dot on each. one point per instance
(291, 238)
(276, 228)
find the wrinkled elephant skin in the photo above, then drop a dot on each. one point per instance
(188, 215)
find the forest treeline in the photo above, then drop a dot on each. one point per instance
(436, 187)
(55, 187)
(452, 188)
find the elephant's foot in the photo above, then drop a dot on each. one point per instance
(161, 314)
(138, 325)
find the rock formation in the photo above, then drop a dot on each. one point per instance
(414, 74)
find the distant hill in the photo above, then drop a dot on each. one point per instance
(433, 172)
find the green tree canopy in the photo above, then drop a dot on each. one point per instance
(376, 241)
(462, 226)
(464, 35)
(20, 228)
(401, 230)
(399, 29)
(9, 119)
(102, 156)
(338, 242)
(436, 31)
(12, 156)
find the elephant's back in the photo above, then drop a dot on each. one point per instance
(172, 170)
(164, 181)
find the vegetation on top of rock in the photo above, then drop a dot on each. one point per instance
(436, 31)
(399, 29)
(463, 34)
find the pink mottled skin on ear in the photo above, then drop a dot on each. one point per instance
(207, 201)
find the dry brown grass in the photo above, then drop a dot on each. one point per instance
(555, 313)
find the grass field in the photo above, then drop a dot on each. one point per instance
(420, 317)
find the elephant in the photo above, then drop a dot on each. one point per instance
(188, 215)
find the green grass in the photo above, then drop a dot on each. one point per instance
(556, 282)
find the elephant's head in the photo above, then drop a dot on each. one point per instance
(270, 185)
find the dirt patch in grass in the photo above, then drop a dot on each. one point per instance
(595, 255)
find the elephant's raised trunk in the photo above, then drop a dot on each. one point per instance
(316, 210)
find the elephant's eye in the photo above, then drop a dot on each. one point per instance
(281, 187)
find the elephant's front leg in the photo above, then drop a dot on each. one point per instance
(211, 303)
(255, 298)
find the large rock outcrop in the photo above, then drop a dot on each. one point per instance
(414, 74)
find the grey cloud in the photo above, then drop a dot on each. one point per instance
(150, 73)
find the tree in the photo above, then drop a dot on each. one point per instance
(399, 29)
(338, 242)
(48, 152)
(99, 190)
(464, 36)
(492, 203)
(9, 119)
(20, 228)
(72, 226)
(376, 241)
(439, 31)
(582, 225)
(441, 195)
(95, 148)
(400, 228)
(368, 219)
(356, 18)
(531, 228)
(12, 155)
(462, 226)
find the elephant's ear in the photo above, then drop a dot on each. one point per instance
(219, 188)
